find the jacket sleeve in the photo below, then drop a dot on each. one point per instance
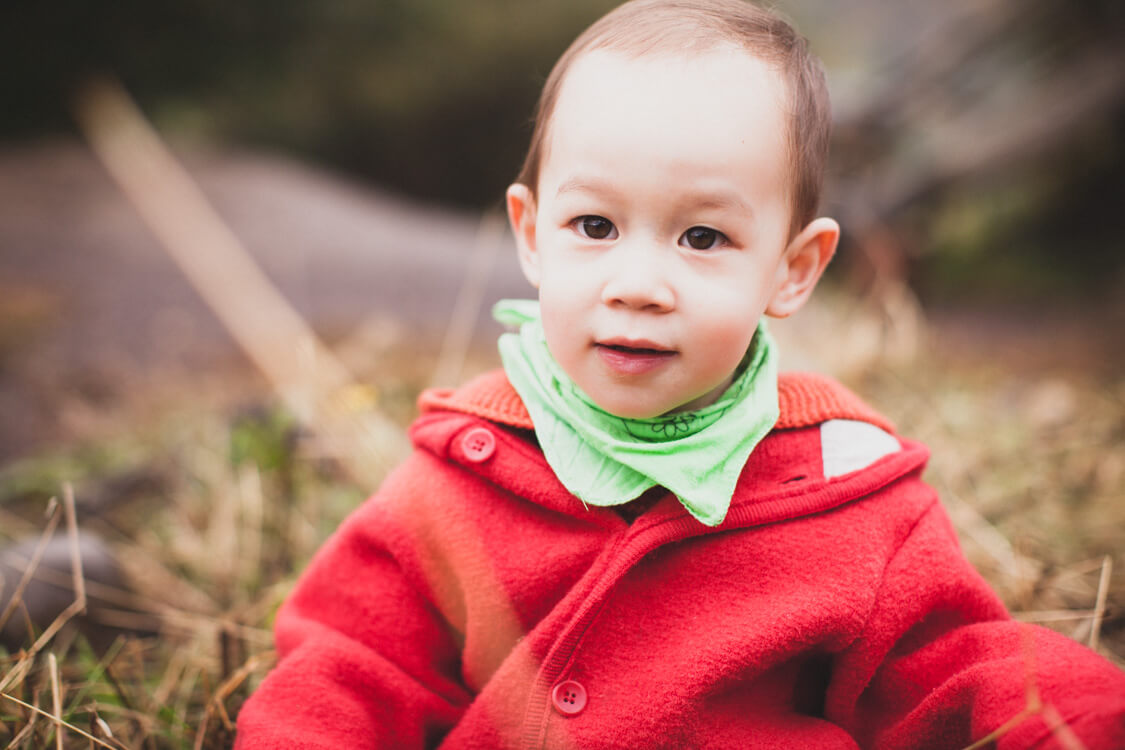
(941, 664)
(365, 658)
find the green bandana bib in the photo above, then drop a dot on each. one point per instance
(609, 460)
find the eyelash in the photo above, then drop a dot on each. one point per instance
(582, 224)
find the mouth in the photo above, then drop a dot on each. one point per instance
(634, 346)
(633, 357)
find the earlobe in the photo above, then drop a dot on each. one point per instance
(805, 259)
(521, 215)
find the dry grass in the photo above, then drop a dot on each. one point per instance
(210, 513)
(208, 560)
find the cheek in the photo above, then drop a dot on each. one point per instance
(560, 315)
(554, 302)
(730, 321)
(727, 345)
(564, 290)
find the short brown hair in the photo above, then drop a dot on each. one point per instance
(641, 27)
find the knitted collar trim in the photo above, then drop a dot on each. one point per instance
(804, 399)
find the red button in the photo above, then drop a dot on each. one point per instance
(569, 698)
(479, 444)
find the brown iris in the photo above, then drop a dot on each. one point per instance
(701, 238)
(596, 227)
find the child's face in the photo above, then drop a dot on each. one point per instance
(659, 236)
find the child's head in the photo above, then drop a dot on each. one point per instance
(667, 201)
(686, 27)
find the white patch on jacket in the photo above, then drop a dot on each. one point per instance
(847, 445)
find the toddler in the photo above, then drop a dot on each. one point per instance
(637, 534)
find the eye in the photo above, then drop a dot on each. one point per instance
(702, 238)
(595, 227)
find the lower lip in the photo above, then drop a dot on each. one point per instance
(633, 363)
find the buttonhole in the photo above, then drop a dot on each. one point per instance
(794, 479)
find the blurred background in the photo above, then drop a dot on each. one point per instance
(358, 151)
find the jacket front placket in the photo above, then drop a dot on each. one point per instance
(647, 534)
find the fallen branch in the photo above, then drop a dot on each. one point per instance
(311, 381)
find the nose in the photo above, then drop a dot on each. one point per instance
(639, 279)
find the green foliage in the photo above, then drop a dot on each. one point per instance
(1044, 233)
(263, 437)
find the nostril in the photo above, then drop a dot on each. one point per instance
(644, 301)
(641, 289)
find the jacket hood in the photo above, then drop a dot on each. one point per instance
(827, 448)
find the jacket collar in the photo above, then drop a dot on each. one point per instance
(788, 475)
(805, 399)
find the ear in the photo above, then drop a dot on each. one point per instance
(521, 214)
(802, 264)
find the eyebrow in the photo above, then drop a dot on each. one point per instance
(582, 185)
(719, 200)
(701, 199)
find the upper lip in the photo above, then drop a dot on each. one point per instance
(642, 344)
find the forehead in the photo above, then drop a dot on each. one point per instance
(703, 112)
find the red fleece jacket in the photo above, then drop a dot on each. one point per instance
(475, 603)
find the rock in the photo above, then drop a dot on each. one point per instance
(50, 590)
